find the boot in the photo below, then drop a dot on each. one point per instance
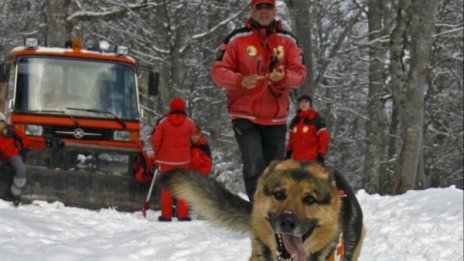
(13, 198)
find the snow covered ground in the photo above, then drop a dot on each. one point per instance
(417, 226)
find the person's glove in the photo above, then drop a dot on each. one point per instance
(23, 153)
(320, 158)
(288, 155)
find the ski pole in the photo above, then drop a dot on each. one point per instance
(146, 204)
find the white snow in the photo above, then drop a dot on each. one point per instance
(417, 226)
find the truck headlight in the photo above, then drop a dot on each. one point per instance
(34, 130)
(121, 135)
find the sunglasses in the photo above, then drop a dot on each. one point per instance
(264, 6)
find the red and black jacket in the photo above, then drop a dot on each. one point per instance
(308, 137)
(249, 51)
(13, 142)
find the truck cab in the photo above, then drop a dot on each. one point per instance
(72, 102)
(78, 107)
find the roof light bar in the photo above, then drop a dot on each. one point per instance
(31, 42)
(122, 50)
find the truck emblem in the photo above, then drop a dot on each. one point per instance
(78, 133)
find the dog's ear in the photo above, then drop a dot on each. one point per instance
(319, 171)
(274, 166)
(270, 168)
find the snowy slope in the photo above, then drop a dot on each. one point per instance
(417, 226)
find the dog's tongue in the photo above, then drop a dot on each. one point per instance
(294, 246)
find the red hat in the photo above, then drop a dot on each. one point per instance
(178, 105)
(255, 2)
(197, 130)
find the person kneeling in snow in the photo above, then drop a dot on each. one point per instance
(201, 153)
(13, 149)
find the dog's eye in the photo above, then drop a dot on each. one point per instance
(279, 195)
(309, 200)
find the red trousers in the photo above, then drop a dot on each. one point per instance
(166, 200)
(166, 205)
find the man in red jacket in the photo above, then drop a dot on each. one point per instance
(201, 153)
(171, 146)
(309, 138)
(13, 146)
(258, 65)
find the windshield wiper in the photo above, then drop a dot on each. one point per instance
(56, 111)
(76, 123)
(123, 124)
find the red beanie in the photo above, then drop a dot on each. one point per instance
(197, 130)
(255, 2)
(178, 105)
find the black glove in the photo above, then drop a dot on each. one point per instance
(320, 158)
(23, 152)
(288, 155)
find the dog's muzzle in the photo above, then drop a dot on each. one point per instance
(290, 235)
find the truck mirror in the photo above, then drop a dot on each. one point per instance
(3, 73)
(153, 83)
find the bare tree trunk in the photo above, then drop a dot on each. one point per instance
(376, 110)
(421, 180)
(300, 12)
(422, 24)
(398, 46)
(394, 148)
(58, 30)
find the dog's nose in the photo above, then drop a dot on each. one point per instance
(288, 222)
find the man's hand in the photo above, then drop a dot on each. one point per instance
(277, 74)
(249, 82)
(320, 158)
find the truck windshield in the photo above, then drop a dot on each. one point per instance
(47, 84)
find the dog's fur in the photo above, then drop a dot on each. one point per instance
(296, 204)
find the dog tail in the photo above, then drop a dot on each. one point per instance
(209, 198)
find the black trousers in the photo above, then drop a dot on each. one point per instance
(259, 145)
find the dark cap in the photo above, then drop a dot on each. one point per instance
(305, 97)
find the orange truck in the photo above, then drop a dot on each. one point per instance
(80, 110)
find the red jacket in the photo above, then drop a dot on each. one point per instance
(308, 136)
(171, 140)
(12, 141)
(201, 157)
(248, 51)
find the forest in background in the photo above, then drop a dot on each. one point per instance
(387, 76)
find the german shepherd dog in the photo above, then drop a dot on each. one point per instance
(301, 211)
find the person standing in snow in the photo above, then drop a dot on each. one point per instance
(13, 147)
(172, 149)
(258, 65)
(201, 153)
(309, 138)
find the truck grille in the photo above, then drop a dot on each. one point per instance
(78, 133)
